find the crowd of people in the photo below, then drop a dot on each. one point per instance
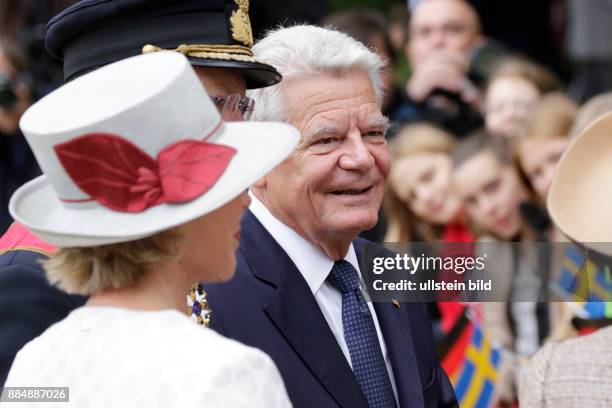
(477, 146)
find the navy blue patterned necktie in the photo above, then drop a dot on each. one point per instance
(361, 338)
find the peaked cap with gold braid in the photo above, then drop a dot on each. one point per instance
(210, 33)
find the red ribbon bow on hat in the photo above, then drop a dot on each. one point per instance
(119, 175)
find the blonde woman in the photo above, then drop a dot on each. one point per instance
(422, 205)
(536, 158)
(492, 195)
(142, 192)
(537, 155)
(420, 201)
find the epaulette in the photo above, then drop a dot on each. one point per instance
(19, 238)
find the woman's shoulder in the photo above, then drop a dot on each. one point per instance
(560, 368)
(573, 353)
(597, 342)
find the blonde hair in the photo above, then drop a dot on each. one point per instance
(552, 117)
(90, 270)
(592, 110)
(411, 140)
(519, 67)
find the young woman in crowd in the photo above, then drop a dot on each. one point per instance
(492, 195)
(536, 157)
(489, 187)
(537, 154)
(422, 204)
(513, 88)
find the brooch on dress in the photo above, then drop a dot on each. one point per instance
(197, 305)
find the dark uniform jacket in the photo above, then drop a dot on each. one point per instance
(28, 303)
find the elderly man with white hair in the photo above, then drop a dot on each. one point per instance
(297, 293)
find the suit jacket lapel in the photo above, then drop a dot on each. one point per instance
(395, 327)
(295, 312)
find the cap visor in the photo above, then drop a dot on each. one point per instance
(256, 74)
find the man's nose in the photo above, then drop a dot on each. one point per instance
(438, 39)
(356, 155)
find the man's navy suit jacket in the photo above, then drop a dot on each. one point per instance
(269, 305)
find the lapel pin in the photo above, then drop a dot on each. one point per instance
(396, 303)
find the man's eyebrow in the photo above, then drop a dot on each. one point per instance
(379, 123)
(326, 131)
(321, 132)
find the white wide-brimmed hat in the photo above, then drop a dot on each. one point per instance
(135, 148)
(580, 196)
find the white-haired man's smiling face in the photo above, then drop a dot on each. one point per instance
(331, 187)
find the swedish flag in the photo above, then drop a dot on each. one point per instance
(583, 279)
(475, 382)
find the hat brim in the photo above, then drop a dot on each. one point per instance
(260, 146)
(256, 74)
(580, 193)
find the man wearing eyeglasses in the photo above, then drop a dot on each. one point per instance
(215, 35)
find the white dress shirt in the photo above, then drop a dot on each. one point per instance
(315, 266)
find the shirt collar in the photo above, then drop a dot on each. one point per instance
(311, 261)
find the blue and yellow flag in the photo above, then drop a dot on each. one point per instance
(475, 383)
(584, 281)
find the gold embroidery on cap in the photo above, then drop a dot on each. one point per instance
(231, 52)
(240, 23)
(190, 49)
(147, 49)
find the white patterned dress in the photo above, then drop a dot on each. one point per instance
(113, 357)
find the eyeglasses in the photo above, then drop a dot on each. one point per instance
(234, 107)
